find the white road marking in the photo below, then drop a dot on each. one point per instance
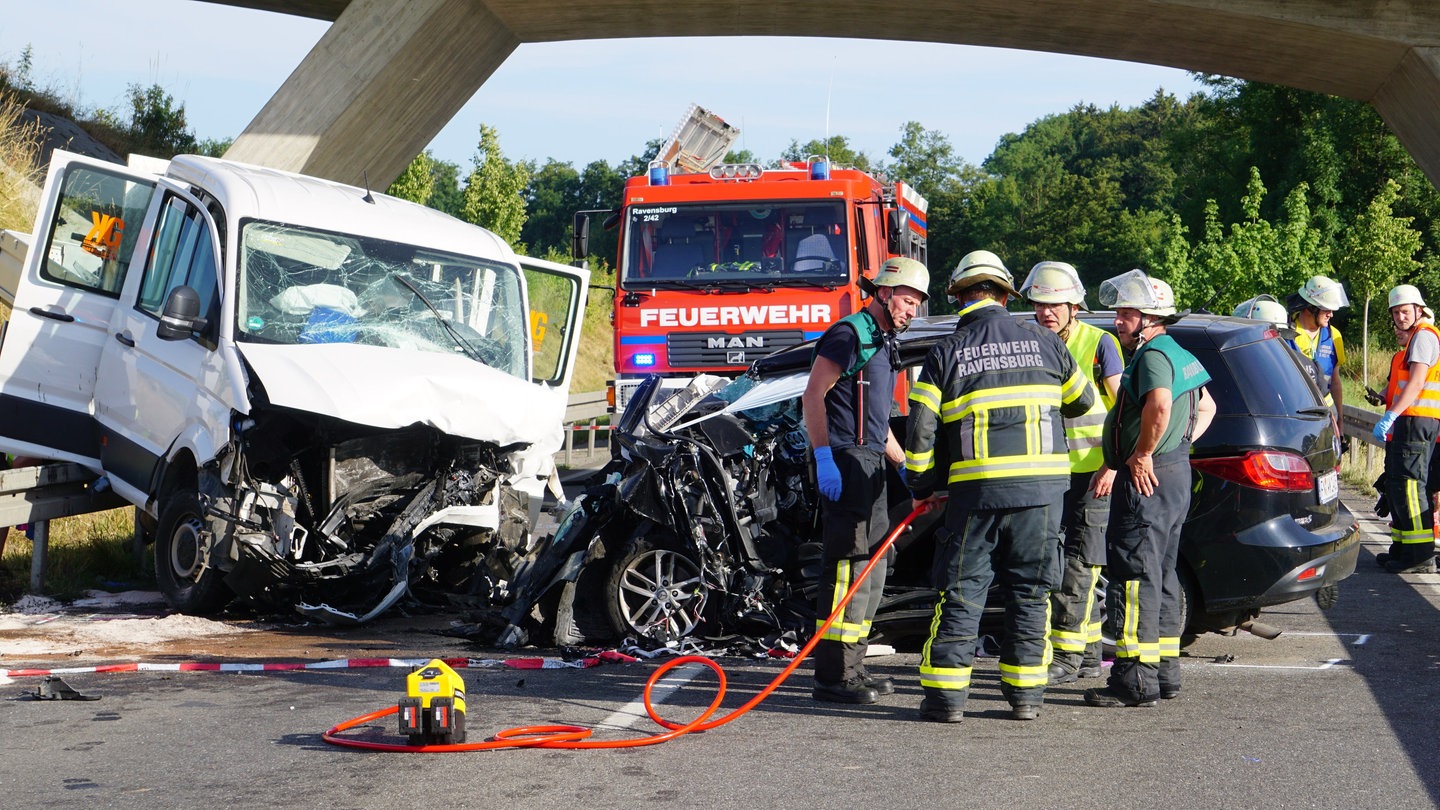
(1360, 638)
(1328, 664)
(626, 715)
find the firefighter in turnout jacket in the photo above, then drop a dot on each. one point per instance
(1055, 291)
(985, 424)
(1411, 423)
(1161, 407)
(848, 400)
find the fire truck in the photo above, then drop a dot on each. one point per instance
(722, 264)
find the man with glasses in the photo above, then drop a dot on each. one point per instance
(1055, 291)
(847, 401)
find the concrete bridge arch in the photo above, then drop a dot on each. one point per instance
(388, 76)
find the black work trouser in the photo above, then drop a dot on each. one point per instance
(1075, 614)
(1143, 541)
(851, 528)
(1407, 470)
(1020, 548)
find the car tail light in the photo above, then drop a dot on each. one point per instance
(1262, 469)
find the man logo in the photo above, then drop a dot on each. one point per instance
(735, 342)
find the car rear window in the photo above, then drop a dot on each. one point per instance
(1263, 378)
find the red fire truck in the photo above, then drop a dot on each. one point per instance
(721, 267)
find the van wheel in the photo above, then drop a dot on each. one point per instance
(188, 579)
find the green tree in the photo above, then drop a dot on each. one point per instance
(1377, 251)
(837, 148)
(157, 123)
(494, 195)
(446, 194)
(417, 182)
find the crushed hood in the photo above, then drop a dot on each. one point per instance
(389, 388)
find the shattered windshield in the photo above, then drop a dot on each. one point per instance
(750, 243)
(302, 286)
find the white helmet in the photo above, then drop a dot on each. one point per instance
(900, 271)
(977, 266)
(1405, 294)
(1324, 293)
(1054, 283)
(1263, 308)
(1137, 290)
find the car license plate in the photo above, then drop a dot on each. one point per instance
(1329, 486)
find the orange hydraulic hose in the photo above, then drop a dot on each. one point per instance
(567, 736)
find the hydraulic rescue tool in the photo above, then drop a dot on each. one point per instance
(433, 709)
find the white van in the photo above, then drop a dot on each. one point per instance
(315, 395)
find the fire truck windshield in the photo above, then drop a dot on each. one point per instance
(754, 243)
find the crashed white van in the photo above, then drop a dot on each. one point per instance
(317, 396)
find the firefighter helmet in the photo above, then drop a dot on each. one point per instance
(900, 272)
(1138, 290)
(977, 266)
(1263, 308)
(1324, 293)
(1054, 283)
(1406, 294)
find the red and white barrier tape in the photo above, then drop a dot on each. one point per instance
(609, 656)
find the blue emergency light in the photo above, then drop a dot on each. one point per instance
(644, 359)
(659, 173)
(819, 168)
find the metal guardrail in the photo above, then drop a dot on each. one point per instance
(582, 417)
(1358, 423)
(36, 495)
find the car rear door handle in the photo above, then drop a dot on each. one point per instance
(54, 315)
(124, 337)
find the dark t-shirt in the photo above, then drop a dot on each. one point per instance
(841, 344)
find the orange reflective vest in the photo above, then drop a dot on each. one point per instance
(1428, 404)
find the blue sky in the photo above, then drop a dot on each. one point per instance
(591, 100)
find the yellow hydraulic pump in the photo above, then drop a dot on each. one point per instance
(433, 709)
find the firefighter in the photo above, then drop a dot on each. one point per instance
(1055, 291)
(1411, 423)
(1315, 338)
(847, 402)
(985, 424)
(1162, 406)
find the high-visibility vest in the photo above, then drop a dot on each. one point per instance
(1083, 433)
(1428, 403)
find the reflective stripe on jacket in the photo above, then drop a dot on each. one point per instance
(986, 412)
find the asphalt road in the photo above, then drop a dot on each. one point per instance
(1335, 713)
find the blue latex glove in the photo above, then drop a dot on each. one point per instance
(827, 474)
(1384, 425)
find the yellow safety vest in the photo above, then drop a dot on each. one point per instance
(1083, 433)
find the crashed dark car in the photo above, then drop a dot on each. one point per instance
(707, 524)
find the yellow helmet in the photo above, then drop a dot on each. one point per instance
(1138, 290)
(977, 266)
(899, 271)
(1054, 283)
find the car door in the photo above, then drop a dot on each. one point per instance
(88, 230)
(557, 295)
(154, 394)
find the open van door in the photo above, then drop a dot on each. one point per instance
(85, 238)
(557, 312)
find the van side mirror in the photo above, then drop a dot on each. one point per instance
(898, 225)
(580, 239)
(181, 316)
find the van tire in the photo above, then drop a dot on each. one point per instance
(187, 585)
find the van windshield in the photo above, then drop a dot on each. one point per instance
(303, 286)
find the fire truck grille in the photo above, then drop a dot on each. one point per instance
(718, 349)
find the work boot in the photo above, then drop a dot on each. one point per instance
(1169, 691)
(1025, 711)
(935, 711)
(1400, 565)
(853, 691)
(1060, 674)
(881, 684)
(1108, 698)
(1091, 665)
